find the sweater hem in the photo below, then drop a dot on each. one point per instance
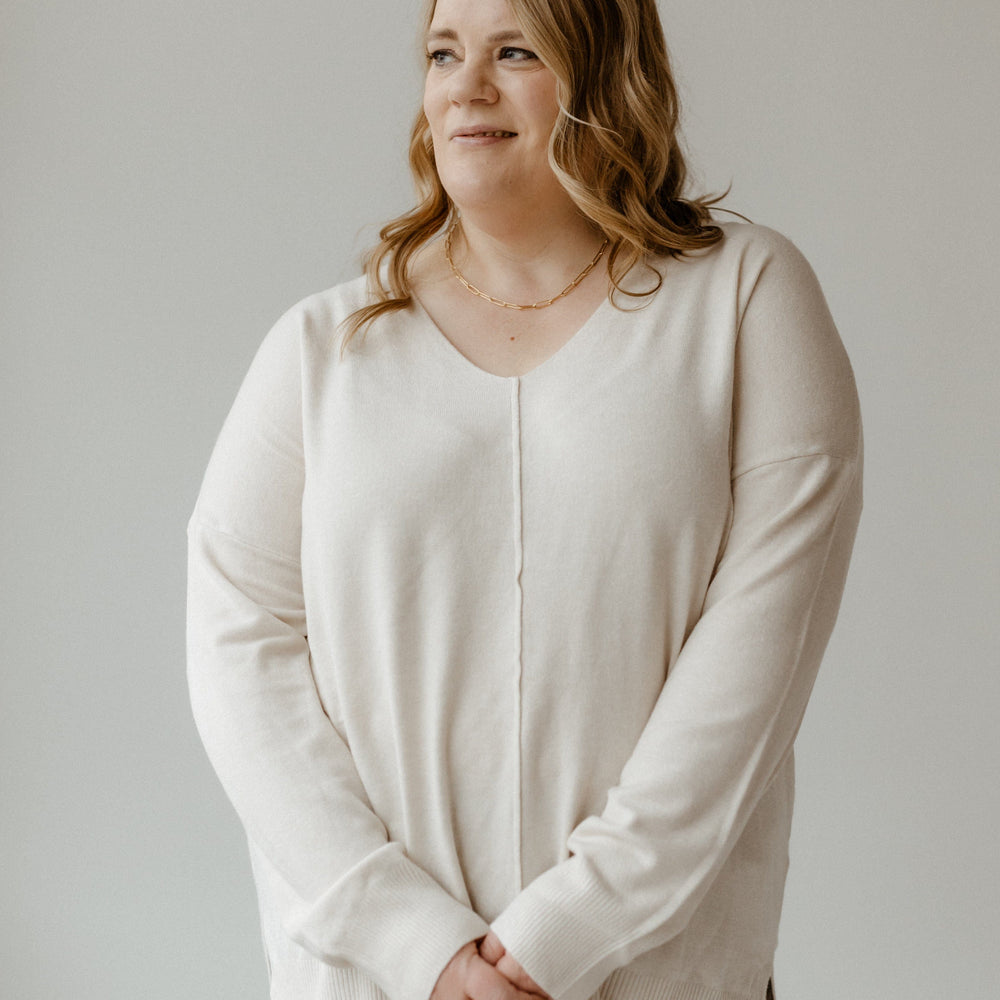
(346, 983)
(624, 984)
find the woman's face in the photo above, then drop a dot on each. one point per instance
(491, 105)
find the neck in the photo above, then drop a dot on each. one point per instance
(521, 261)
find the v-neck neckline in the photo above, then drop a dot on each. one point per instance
(555, 360)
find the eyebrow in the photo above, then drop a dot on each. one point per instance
(500, 36)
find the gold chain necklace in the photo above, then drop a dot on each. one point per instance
(513, 305)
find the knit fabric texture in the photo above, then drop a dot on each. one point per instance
(528, 652)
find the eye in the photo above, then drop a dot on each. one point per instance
(515, 54)
(440, 56)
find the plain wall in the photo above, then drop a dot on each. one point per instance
(174, 175)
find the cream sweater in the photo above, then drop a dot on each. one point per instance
(530, 652)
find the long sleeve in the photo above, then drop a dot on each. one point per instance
(345, 891)
(728, 713)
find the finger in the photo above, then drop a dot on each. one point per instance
(491, 949)
(454, 974)
(514, 972)
(485, 983)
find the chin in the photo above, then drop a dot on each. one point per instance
(478, 195)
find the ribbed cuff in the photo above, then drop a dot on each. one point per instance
(564, 935)
(393, 921)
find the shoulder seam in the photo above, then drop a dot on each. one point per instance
(196, 522)
(844, 459)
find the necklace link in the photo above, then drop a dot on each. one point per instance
(513, 305)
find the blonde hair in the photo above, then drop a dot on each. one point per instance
(615, 148)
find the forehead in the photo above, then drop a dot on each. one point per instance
(473, 15)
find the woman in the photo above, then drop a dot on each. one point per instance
(513, 566)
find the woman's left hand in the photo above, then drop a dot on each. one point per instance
(492, 951)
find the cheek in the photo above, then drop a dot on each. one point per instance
(434, 113)
(432, 104)
(543, 105)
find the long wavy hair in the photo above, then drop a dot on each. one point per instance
(615, 148)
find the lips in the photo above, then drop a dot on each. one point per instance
(482, 132)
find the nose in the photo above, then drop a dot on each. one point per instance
(472, 82)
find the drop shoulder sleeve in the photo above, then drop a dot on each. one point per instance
(346, 893)
(733, 701)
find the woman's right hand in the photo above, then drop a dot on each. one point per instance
(468, 976)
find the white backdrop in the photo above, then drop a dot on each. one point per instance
(174, 175)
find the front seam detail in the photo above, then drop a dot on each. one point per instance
(515, 434)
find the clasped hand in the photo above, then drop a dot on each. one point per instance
(485, 972)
